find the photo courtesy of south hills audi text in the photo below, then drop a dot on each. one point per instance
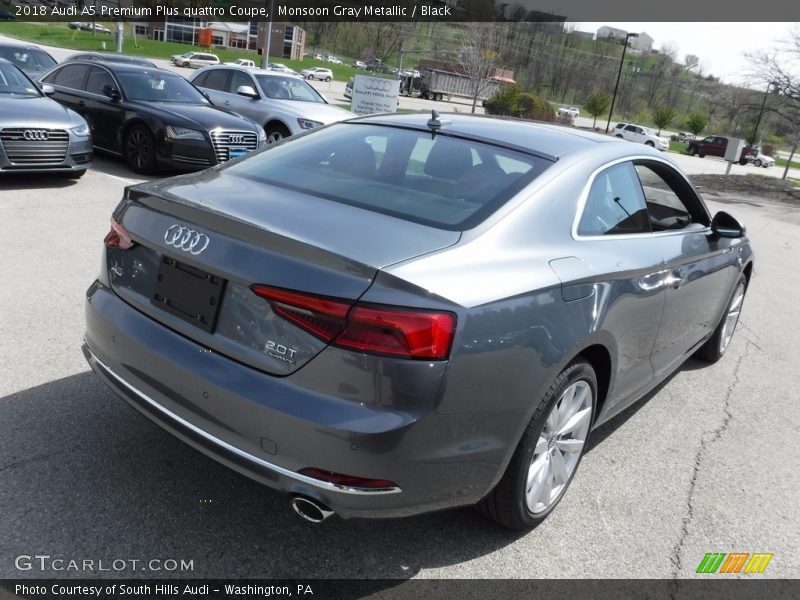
(149, 590)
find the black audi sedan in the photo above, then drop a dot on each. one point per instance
(151, 117)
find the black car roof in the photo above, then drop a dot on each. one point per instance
(118, 67)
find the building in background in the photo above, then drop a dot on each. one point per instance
(287, 40)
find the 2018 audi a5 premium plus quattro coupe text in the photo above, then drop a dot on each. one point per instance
(398, 314)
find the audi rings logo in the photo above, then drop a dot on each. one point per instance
(378, 85)
(186, 239)
(35, 135)
(236, 138)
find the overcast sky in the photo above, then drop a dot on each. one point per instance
(720, 46)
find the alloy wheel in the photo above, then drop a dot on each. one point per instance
(139, 149)
(559, 447)
(732, 318)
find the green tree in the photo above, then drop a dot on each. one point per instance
(696, 123)
(596, 105)
(505, 101)
(663, 116)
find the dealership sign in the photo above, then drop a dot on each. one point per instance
(374, 95)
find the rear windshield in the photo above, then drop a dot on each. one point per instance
(442, 181)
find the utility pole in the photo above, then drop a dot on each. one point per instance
(267, 37)
(619, 73)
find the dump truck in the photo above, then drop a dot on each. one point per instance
(439, 80)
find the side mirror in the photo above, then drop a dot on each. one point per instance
(48, 90)
(247, 91)
(725, 226)
(111, 91)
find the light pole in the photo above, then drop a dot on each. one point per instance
(267, 37)
(619, 73)
(761, 112)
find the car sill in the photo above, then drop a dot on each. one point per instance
(103, 369)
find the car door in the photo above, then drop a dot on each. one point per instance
(105, 115)
(616, 245)
(243, 105)
(631, 133)
(68, 83)
(700, 268)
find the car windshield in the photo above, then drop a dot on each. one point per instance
(159, 86)
(445, 182)
(14, 83)
(28, 59)
(288, 88)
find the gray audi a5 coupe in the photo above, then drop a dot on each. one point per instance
(401, 314)
(37, 134)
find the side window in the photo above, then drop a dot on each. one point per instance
(99, 77)
(200, 80)
(671, 202)
(239, 79)
(71, 76)
(218, 80)
(615, 204)
(630, 128)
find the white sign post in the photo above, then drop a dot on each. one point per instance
(374, 95)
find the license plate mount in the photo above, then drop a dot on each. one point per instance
(189, 293)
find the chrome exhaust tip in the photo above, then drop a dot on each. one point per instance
(310, 510)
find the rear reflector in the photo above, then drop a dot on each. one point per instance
(374, 328)
(118, 237)
(348, 480)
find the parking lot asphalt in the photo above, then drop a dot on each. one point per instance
(707, 463)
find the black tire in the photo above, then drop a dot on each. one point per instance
(185, 64)
(437, 97)
(276, 132)
(757, 162)
(701, 154)
(327, 79)
(743, 161)
(692, 151)
(713, 349)
(506, 503)
(139, 149)
(649, 143)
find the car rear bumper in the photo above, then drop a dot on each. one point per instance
(268, 428)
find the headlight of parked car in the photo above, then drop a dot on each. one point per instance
(308, 123)
(81, 130)
(262, 137)
(181, 133)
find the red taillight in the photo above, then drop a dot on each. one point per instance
(373, 328)
(347, 480)
(118, 237)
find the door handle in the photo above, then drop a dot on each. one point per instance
(227, 101)
(675, 278)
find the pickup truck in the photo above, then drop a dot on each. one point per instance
(715, 145)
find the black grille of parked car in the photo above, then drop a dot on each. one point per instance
(225, 141)
(32, 146)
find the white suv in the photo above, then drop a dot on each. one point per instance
(641, 135)
(195, 60)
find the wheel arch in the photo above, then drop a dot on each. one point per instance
(599, 357)
(123, 132)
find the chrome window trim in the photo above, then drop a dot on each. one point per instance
(325, 485)
(626, 236)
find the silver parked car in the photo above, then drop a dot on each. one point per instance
(284, 105)
(37, 134)
(195, 60)
(399, 314)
